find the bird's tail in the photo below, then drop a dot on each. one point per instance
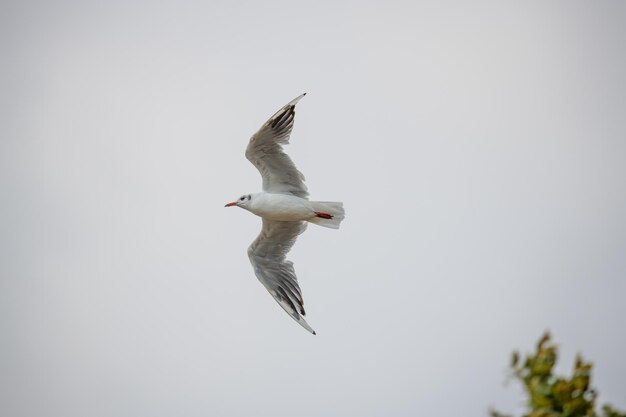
(328, 213)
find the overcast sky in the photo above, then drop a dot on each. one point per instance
(479, 150)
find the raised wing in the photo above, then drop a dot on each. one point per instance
(265, 151)
(268, 257)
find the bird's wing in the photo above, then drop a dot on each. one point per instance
(268, 257)
(265, 151)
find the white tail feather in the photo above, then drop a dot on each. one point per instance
(335, 209)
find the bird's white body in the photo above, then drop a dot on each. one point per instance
(290, 208)
(281, 207)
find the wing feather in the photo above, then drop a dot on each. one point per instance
(265, 151)
(268, 256)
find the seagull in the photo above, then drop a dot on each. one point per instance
(285, 210)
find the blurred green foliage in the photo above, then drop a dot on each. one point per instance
(556, 396)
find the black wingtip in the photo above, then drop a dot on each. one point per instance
(314, 333)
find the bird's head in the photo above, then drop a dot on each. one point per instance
(242, 201)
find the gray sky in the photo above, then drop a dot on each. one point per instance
(479, 150)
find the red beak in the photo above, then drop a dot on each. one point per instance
(231, 204)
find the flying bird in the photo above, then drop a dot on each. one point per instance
(285, 209)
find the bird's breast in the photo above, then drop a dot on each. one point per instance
(282, 207)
